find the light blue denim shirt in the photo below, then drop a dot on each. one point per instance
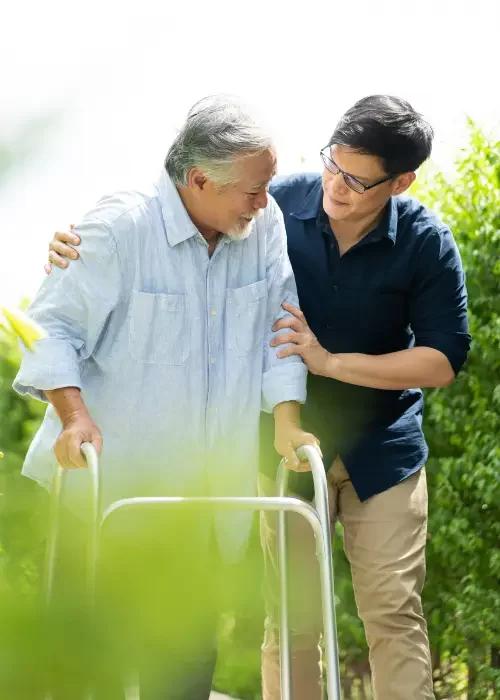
(170, 349)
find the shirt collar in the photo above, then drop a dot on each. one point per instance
(388, 226)
(178, 223)
(312, 208)
(312, 203)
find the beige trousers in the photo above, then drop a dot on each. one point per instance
(384, 540)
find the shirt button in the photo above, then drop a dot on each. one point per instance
(335, 288)
(214, 312)
(329, 326)
(212, 360)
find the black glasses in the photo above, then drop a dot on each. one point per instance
(349, 180)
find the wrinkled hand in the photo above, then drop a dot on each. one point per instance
(59, 251)
(76, 430)
(304, 342)
(287, 439)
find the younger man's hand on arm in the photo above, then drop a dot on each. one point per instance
(404, 369)
(61, 251)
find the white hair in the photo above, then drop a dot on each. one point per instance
(216, 128)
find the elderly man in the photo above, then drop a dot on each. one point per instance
(158, 341)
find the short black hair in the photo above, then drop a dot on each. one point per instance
(389, 128)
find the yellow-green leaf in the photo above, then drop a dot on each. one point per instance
(22, 325)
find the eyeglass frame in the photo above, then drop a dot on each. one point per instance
(345, 175)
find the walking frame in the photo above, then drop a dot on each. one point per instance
(318, 518)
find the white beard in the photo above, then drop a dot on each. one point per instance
(240, 233)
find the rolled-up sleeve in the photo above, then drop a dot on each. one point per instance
(438, 302)
(284, 379)
(72, 307)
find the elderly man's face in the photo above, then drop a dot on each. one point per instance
(231, 209)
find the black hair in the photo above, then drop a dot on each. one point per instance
(389, 128)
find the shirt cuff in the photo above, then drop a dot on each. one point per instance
(286, 383)
(52, 365)
(454, 346)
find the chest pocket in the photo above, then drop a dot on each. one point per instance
(159, 329)
(246, 318)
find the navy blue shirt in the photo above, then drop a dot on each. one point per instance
(401, 286)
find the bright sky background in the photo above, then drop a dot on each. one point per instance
(119, 76)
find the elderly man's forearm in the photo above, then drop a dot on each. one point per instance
(67, 402)
(287, 412)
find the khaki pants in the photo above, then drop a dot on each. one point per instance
(384, 540)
